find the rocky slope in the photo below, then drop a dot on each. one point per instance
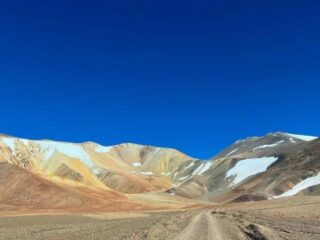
(129, 168)
(39, 174)
(260, 168)
(88, 174)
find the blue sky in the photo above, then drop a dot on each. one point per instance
(193, 75)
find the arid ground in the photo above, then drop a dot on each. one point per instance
(292, 218)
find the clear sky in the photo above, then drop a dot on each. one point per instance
(192, 75)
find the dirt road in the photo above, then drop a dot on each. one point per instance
(178, 226)
(260, 221)
(206, 226)
(202, 225)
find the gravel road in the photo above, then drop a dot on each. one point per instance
(261, 222)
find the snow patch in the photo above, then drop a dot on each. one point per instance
(147, 173)
(175, 174)
(183, 178)
(268, 145)
(198, 169)
(136, 164)
(96, 171)
(69, 149)
(206, 167)
(303, 137)
(202, 168)
(248, 167)
(25, 142)
(190, 165)
(165, 174)
(232, 152)
(9, 142)
(291, 140)
(308, 182)
(102, 149)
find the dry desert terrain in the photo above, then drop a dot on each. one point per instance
(291, 218)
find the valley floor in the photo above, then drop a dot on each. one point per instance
(294, 218)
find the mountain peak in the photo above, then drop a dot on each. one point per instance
(263, 143)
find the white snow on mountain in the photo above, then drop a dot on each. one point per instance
(306, 183)
(303, 137)
(268, 145)
(232, 152)
(50, 147)
(190, 165)
(202, 168)
(206, 167)
(147, 173)
(291, 140)
(69, 149)
(165, 174)
(249, 167)
(9, 142)
(25, 141)
(183, 178)
(136, 164)
(198, 169)
(103, 149)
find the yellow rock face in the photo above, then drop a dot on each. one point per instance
(128, 168)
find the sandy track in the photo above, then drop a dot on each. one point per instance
(296, 219)
(206, 226)
(197, 225)
(174, 226)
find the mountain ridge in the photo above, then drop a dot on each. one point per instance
(249, 169)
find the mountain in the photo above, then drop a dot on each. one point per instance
(89, 174)
(51, 174)
(264, 144)
(259, 168)
(128, 168)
